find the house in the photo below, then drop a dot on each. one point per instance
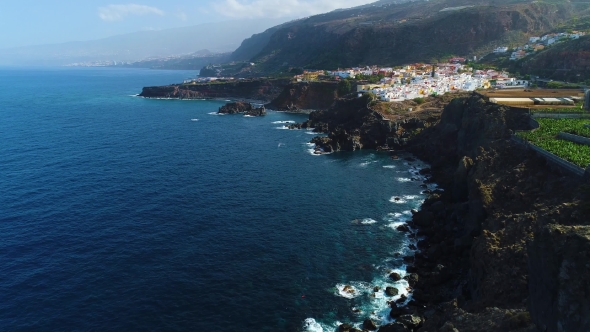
(311, 75)
(344, 73)
(534, 39)
(501, 49)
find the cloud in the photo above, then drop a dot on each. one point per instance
(182, 16)
(119, 12)
(281, 8)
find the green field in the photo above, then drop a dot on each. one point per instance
(559, 110)
(546, 137)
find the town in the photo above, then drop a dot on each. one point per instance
(408, 82)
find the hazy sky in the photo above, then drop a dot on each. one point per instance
(32, 22)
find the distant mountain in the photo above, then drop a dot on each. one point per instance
(193, 61)
(389, 33)
(217, 37)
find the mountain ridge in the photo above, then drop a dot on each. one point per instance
(396, 34)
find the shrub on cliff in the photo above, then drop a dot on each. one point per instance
(344, 87)
(419, 100)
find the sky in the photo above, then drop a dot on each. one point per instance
(36, 22)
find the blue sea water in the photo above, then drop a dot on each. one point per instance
(122, 213)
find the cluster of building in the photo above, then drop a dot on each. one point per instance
(423, 80)
(538, 43)
(420, 80)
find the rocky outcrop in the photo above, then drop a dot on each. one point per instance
(351, 126)
(242, 108)
(255, 89)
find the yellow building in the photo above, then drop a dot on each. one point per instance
(311, 76)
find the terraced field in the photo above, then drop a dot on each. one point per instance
(546, 137)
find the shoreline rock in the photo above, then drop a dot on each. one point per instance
(242, 108)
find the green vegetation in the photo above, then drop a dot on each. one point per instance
(344, 87)
(559, 110)
(370, 78)
(296, 71)
(419, 100)
(546, 137)
(558, 85)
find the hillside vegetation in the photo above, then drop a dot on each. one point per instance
(567, 61)
(395, 34)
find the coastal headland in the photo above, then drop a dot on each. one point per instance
(263, 90)
(503, 245)
(277, 94)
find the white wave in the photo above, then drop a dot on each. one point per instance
(397, 200)
(411, 197)
(403, 179)
(287, 121)
(367, 163)
(282, 127)
(249, 116)
(312, 133)
(310, 325)
(215, 113)
(312, 152)
(389, 166)
(368, 221)
(347, 291)
(395, 225)
(194, 120)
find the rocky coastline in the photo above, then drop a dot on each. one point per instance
(264, 90)
(502, 246)
(504, 242)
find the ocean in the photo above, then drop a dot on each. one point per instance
(119, 213)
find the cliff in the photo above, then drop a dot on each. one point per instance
(256, 89)
(504, 245)
(491, 230)
(305, 96)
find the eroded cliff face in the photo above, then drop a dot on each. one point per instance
(258, 89)
(498, 197)
(305, 96)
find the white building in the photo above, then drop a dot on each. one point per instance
(501, 49)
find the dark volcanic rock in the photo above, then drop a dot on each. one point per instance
(368, 324)
(393, 327)
(242, 108)
(559, 278)
(395, 276)
(411, 321)
(391, 291)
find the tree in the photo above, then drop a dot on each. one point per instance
(297, 71)
(344, 87)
